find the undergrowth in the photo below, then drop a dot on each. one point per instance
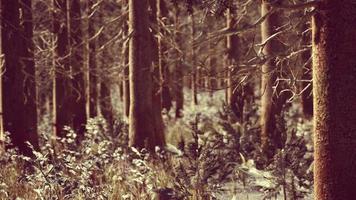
(209, 156)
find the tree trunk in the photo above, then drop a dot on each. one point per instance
(194, 72)
(157, 80)
(2, 60)
(334, 76)
(143, 130)
(62, 112)
(18, 79)
(178, 72)
(106, 108)
(306, 87)
(213, 81)
(162, 65)
(234, 92)
(77, 67)
(270, 105)
(125, 72)
(90, 62)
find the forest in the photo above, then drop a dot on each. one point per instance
(178, 99)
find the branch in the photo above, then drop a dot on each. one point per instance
(235, 31)
(309, 4)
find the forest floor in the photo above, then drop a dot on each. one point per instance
(207, 156)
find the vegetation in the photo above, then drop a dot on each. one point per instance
(170, 99)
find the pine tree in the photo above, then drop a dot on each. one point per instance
(18, 80)
(334, 80)
(144, 130)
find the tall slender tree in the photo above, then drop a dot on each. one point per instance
(77, 66)
(194, 73)
(90, 61)
(162, 14)
(2, 61)
(18, 79)
(157, 74)
(270, 104)
(62, 85)
(178, 71)
(125, 75)
(234, 91)
(334, 79)
(106, 108)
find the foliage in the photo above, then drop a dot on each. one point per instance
(218, 158)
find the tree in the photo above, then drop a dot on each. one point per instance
(194, 73)
(156, 76)
(125, 72)
(270, 104)
(161, 14)
(106, 108)
(2, 136)
(77, 67)
(143, 130)
(18, 79)
(234, 91)
(178, 71)
(306, 96)
(334, 80)
(91, 66)
(62, 85)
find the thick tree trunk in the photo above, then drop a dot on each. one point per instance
(62, 112)
(334, 76)
(77, 67)
(144, 130)
(270, 105)
(18, 79)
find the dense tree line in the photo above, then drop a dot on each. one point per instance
(70, 59)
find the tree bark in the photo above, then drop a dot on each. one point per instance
(234, 92)
(125, 81)
(125, 72)
(77, 68)
(194, 76)
(162, 11)
(18, 79)
(144, 131)
(157, 80)
(62, 86)
(2, 61)
(178, 72)
(106, 108)
(270, 104)
(334, 79)
(90, 62)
